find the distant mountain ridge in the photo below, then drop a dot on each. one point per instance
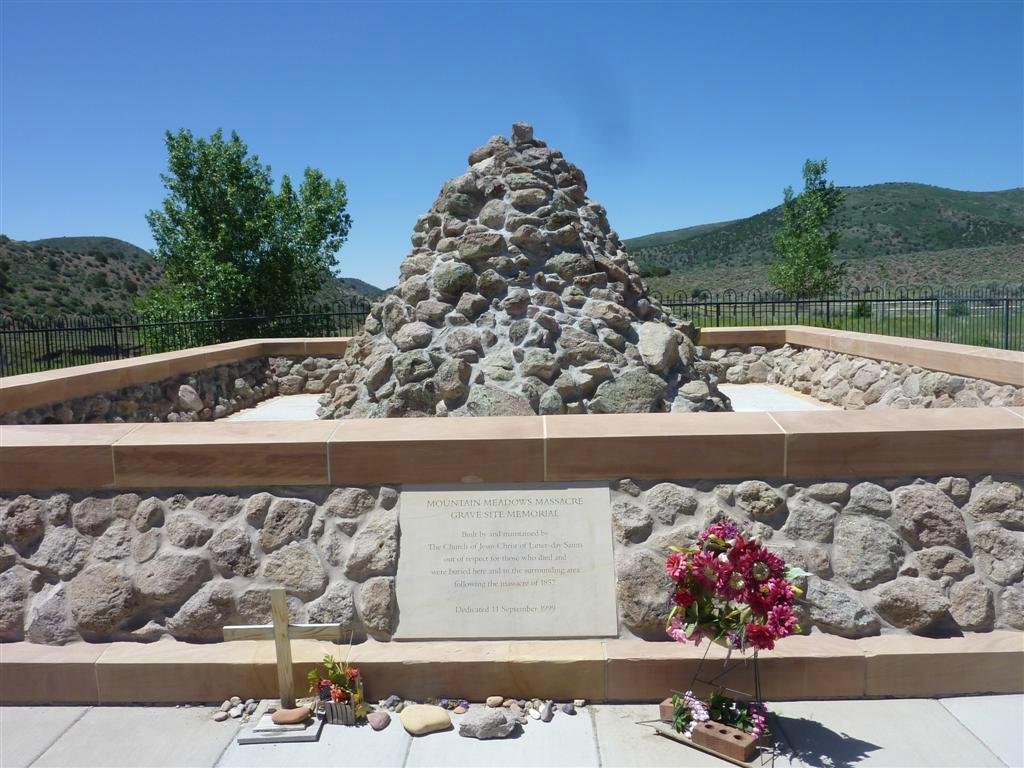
(897, 232)
(93, 275)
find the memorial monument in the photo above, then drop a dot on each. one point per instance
(518, 299)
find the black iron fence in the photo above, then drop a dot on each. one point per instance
(29, 344)
(992, 318)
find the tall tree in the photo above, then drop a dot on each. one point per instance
(229, 244)
(804, 247)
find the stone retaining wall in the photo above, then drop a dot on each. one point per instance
(936, 557)
(205, 395)
(855, 383)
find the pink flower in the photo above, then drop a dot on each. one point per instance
(675, 567)
(781, 620)
(683, 597)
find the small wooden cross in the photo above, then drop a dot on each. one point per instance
(282, 632)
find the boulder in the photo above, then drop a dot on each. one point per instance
(335, 606)
(838, 612)
(101, 598)
(61, 554)
(231, 552)
(644, 592)
(375, 547)
(486, 723)
(490, 400)
(288, 520)
(49, 619)
(1001, 503)
(632, 524)
(998, 553)
(22, 522)
(187, 531)
(909, 603)
(204, 615)
(809, 520)
(866, 551)
(92, 515)
(971, 605)
(378, 607)
(666, 501)
(171, 578)
(758, 499)
(869, 499)
(659, 347)
(297, 568)
(635, 391)
(926, 517)
(219, 507)
(421, 719)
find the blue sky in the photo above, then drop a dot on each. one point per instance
(679, 113)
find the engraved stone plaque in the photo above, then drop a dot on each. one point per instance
(506, 561)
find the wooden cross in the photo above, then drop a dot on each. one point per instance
(282, 632)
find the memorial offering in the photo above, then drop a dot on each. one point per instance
(506, 561)
(732, 590)
(339, 688)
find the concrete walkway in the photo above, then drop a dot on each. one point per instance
(280, 408)
(771, 397)
(975, 731)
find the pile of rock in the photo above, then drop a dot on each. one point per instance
(855, 383)
(518, 299)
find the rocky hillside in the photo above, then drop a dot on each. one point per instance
(88, 275)
(890, 233)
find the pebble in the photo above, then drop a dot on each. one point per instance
(579, 702)
(249, 701)
(236, 711)
(220, 715)
(225, 706)
(235, 701)
(521, 703)
(508, 702)
(250, 707)
(391, 701)
(378, 720)
(460, 710)
(547, 712)
(569, 709)
(495, 701)
(534, 714)
(399, 706)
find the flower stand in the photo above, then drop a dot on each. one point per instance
(338, 712)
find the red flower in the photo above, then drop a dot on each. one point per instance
(353, 673)
(760, 636)
(683, 597)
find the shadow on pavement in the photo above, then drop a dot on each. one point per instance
(817, 746)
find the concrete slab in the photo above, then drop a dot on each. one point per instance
(894, 732)
(339, 745)
(622, 742)
(280, 408)
(565, 741)
(770, 397)
(141, 737)
(27, 732)
(998, 721)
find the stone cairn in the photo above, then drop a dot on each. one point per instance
(518, 299)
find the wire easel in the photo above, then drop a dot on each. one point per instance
(765, 752)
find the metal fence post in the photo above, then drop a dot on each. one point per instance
(936, 318)
(1006, 323)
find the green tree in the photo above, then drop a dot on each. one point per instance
(804, 248)
(232, 246)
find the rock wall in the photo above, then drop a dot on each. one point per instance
(205, 395)
(936, 557)
(855, 383)
(517, 298)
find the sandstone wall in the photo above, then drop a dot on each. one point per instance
(211, 393)
(855, 383)
(939, 556)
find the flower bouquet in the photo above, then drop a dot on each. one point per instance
(731, 590)
(339, 687)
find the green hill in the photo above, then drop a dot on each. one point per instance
(93, 275)
(890, 233)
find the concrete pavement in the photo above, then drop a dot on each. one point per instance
(970, 731)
